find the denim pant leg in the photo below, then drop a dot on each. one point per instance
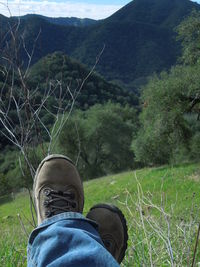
(68, 239)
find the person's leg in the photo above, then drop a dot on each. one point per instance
(68, 239)
(64, 237)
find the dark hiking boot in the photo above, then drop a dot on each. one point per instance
(112, 228)
(57, 187)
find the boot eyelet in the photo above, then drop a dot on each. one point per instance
(107, 243)
(47, 192)
(46, 203)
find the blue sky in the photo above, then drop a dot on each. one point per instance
(100, 2)
(95, 9)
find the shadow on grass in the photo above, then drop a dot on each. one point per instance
(6, 199)
(172, 165)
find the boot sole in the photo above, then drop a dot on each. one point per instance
(116, 210)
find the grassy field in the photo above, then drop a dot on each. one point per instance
(162, 207)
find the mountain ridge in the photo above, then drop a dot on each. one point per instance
(139, 39)
(158, 10)
(63, 21)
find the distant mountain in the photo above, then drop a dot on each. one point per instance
(139, 39)
(57, 71)
(59, 67)
(72, 21)
(162, 13)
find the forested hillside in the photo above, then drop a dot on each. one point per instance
(35, 105)
(59, 67)
(139, 39)
(170, 118)
(64, 21)
(59, 72)
(55, 106)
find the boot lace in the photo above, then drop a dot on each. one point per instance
(58, 201)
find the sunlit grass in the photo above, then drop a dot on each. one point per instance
(145, 195)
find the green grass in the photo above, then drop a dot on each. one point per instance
(161, 206)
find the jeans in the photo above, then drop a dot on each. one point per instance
(68, 239)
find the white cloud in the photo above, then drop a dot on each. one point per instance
(63, 8)
(57, 9)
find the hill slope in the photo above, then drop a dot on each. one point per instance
(59, 67)
(64, 79)
(72, 21)
(139, 39)
(165, 198)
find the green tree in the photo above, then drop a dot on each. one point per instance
(100, 137)
(169, 101)
(189, 34)
(171, 105)
(4, 185)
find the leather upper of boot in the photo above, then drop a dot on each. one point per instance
(57, 188)
(111, 230)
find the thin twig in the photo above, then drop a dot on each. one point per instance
(196, 245)
(22, 225)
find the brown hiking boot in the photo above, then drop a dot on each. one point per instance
(112, 228)
(57, 187)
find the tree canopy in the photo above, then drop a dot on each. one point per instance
(100, 138)
(189, 34)
(170, 119)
